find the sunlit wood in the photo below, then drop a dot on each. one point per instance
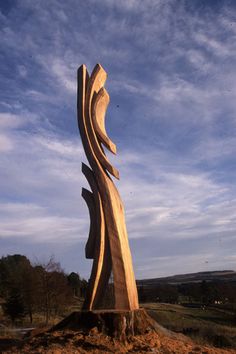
(108, 240)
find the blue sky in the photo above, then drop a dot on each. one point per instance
(172, 114)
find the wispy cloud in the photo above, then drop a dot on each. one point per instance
(171, 80)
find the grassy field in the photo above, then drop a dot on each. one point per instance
(212, 326)
(39, 318)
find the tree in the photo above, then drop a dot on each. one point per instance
(54, 293)
(12, 272)
(29, 288)
(167, 293)
(14, 306)
(43, 287)
(75, 283)
(192, 291)
(17, 275)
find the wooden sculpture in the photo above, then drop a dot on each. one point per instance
(108, 243)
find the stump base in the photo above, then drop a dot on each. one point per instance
(115, 323)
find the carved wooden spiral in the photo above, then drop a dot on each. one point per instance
(108, 243)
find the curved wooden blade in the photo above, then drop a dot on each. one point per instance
(95, 83)
(97, 241)
(93, 231)
(99, 106)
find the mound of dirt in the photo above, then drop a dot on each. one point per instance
(71, 342)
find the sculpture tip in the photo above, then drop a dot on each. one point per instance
(83, 66)
(99, 67)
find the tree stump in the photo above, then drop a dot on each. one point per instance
(115, 323)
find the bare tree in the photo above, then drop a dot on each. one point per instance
(54, 293)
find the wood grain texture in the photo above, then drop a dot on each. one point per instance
(111, 248)
(99, 107)
(96, 242)
(90, 245)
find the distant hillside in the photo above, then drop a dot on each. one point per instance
(224, 275)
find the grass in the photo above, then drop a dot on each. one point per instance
(206, 326)
(10, 331)
(212, 326)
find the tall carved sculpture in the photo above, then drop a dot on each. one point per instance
(108, 243)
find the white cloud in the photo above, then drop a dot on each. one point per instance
(172, 204)
(64, 75)
(38, 225)
(10, 120)
(40, 96)
(175, 73)
(45, 172)
(219, 48)
(61, 147)
(198, 59)
(5, 143)
(215, 150)
(22, 71)
(168, 203)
